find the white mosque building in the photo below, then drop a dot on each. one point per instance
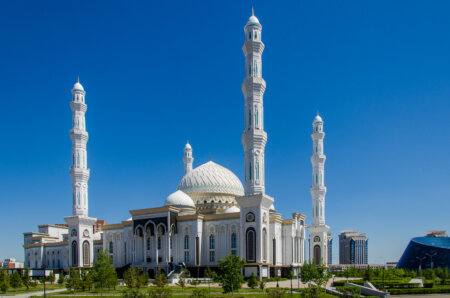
(212, 213)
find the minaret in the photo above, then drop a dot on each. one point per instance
(187, 158)
(318, 231)
(79, 171)
(254, 137)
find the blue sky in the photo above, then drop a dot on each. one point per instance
(160, 72)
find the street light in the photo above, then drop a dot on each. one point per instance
(431, 258)
(420, 266)
(43, 267)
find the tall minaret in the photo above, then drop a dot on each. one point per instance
(254, 137)
(79, 171)
(318, 236)
(187, 158)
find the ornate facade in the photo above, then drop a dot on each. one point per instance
(211, 214)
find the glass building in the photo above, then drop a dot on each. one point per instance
(430, 251)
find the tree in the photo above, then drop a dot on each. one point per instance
(262, 284)
(129, 278)
(87, 280)
(181, 282)
(445, 275)
(317, 274)
(51, 277)
(291, 276)
(368, 274)
(142, 278)
(229, 273)
(26, 279)
(208, 274)
(160, 280)
(15, 280)
(61, 279)
(308, 270)
(4, 281)
(74, 280)
(252, 281)
(104, 273)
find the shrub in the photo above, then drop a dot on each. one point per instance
(252, 281)
(276, 292)
(349, 291)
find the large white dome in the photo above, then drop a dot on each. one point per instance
(211, 178)
(180, 199)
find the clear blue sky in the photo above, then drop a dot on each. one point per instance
(160, 72)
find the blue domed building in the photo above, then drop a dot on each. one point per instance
(432, 250)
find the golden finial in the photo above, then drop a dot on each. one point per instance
(78, 79)
(253, 11)
(317, 112)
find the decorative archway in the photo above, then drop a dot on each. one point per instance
(251, 245)
(317, 255)
(74, 253)
(86, 253)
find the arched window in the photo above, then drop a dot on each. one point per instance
(251, 245)
(250, 35)
(211, 242)
(256, 35)
(148, 243)
(86, 252)
(78, 159)
(250, 171)
(274, 251)
(257, 118)
(264, 247)
(233, 240)
(257, 170)
(249, 118)
(78, 197)
(159, 242)
(250, 70)
(74, 254)
(186, 242)
(256, 68)
(111, 247)
(317, 256)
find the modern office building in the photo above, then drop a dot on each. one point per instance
(430, 251)
(353, 247)
(330, 249)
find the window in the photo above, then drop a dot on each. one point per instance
(78, 159)
(159, 242)
(186, 256)
(256, 35)
(249, 118)
(186, 242)
(264, 247)
(86, 252)
(74, 254)
(257, 171)
(256, 68)
(250, 35)
(211, 255)
(274, 250)
(148, 243)
(111, 247)
(211, 242)
(250, 171)
(233, 240)
(251, 245)
(257, 118)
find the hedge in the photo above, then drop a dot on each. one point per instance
(419, 291)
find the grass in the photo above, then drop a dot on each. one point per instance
(38, 288)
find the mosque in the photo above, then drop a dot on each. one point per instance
(212, 213)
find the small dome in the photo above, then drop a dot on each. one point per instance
(179, 198)
(188, 146)
(252, 20)
(318, 119)
(78, 86)
(232, 209)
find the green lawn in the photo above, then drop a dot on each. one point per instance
(38, 288)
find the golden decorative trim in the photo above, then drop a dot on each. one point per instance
(53, 226)
(42, 237)
(35, 233)
(288, 221)
(98, 242)
(190, 217)
(112, 226)
(275, 219)
(222, 216)
(45, 244)
(154, 210)
(299, 215)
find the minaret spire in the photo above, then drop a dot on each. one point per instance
(318, 231)
(254, 137)
(188, 159)
(79, 171)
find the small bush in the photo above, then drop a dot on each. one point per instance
(349, 291)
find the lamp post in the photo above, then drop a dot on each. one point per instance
(431, 258)
(420, 266)
(43, 267)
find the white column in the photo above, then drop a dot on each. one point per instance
(254, 137)
(318, 189)
(79, 171)
(188, 159)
